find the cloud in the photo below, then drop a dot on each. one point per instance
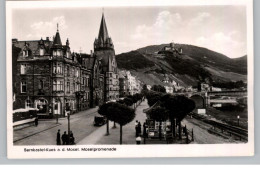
(159, 30)
(201, 29)
(47, 28)
(199, 19)
(224, 43)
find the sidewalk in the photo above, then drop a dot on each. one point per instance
(45, 125)
(99, 136)
(32, 130)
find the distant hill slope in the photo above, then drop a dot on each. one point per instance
(195, 64)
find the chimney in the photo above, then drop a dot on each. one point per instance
(47, 38)
(91, 53)
(14, 40)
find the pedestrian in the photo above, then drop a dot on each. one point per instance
(136, 123)
(139, 129)
(58, 138)
(144, 129)
(36, 121)
(72, 139)
(138, 140)
(136, 128)
(64, 138)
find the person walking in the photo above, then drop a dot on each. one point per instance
(144, 130)
(139, 129)
(136, 128)
(58, 138)
(64, 138)
(36, 121)
(72, 139)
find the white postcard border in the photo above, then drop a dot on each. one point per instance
(129, 151)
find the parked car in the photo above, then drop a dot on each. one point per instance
(99, 120)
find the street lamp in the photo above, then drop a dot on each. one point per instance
(238, 120)
(68, 114)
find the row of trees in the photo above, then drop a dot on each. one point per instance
(172, 107)
(120, 112)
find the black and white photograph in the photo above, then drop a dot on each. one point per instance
(130, 80)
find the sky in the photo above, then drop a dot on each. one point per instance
(219, 28)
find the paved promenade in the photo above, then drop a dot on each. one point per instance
(99, 136)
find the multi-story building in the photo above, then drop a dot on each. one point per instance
(47, 76)
(123, 84)
(129, 85)
(168, 89)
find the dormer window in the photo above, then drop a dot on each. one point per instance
(41, 52)
(58, 53)
(25, 53)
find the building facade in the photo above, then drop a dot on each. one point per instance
(49, 77)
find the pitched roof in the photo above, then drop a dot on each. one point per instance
(103, 33)
(57, 40)
(90, 62)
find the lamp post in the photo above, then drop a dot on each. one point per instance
(238, 120)
(68, 114)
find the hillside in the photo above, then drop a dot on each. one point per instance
(193, 65)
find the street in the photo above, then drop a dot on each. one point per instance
(81, 124)
(86, 133)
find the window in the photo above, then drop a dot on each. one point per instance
(23, 87)
(77, 87)
(40, 84)
(77, 73)
(58, 53)
(25, 53)
(68, 86)
(74, 87)
(41, 104)
(23, 68)
(28, 104)
(57, 68)
(41, 52)
(68, 54)
(54, 85)
(87, 95)
(87, 81)
(59, 85)
(54, 53)
(68, 70)
(73, 70)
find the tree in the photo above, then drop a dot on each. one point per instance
(135, 98)
(159, 114)
(103, 110)
(153, 97)
(158, 88)
(122, 115)
(128, 101)
(178, 106)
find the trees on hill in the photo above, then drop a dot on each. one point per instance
(158, 88)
